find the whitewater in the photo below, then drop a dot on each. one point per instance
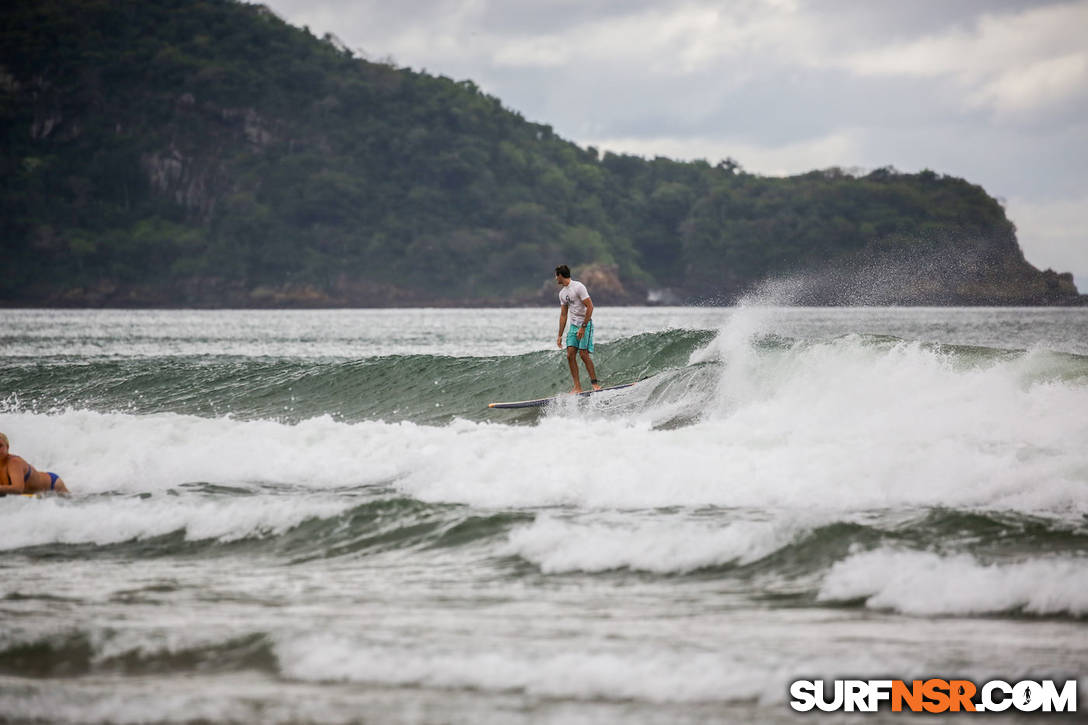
(312, 516)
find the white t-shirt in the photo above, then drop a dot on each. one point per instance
(574, 296)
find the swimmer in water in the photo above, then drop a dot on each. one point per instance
(18, 476)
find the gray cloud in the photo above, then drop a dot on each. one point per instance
(991, 90)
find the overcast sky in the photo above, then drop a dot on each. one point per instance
(994, 91)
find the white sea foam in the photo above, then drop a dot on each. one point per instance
(925, 583)
(839, 425)
(649, 676)
(111, 521)
(662, 546)
(97, 452)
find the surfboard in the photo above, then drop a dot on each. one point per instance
(544, 401)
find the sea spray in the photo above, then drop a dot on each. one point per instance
(841, 424)
(663, 545)
(284, 522)
(924, 583)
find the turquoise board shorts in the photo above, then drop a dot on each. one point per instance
(586, 343)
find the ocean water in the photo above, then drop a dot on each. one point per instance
(313, 517)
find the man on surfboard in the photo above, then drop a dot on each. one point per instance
(574, 296)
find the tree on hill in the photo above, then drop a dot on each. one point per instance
(206, 152)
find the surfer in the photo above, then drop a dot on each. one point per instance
(18, 476)
(574, 296)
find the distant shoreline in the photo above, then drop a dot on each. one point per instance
(464, 305)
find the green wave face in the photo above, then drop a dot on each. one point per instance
(434, 389)
(788, 562)
(420, 388)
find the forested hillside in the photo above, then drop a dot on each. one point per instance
(204, 152)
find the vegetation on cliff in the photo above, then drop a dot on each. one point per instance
(204, 152)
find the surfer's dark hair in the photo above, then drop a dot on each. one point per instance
(563, 271)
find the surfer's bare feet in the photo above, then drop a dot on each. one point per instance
(577, 389)
(596, 386)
